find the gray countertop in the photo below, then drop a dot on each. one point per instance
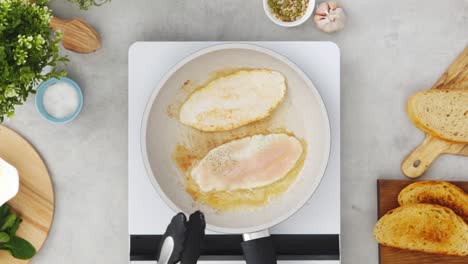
(389, 49)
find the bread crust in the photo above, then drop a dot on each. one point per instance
(409, 227)
(436, 192)
(416, 121)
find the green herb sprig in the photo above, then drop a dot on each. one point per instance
(27, 45)
(85, 4)
(9, 224)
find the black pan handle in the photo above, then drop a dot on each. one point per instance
(258, 248)
(193, 238)
(176, 232)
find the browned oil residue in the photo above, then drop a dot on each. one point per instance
(184, 158)
(184, 92)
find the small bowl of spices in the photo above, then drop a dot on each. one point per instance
(59, 100)
(289, 13)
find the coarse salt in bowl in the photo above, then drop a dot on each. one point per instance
(59, 100)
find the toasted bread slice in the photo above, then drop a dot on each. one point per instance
(436, 192)
(442, 113)
(423, 227)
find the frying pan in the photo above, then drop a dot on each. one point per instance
(301, 112)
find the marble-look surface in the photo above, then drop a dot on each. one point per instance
(389, 49)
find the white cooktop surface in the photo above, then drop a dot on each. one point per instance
(149, 62)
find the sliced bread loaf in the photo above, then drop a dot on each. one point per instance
(441, 113)
(423, 227)
(436, 192)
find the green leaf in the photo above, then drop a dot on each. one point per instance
(12, 230)
(9, 221)
(20, 248)
(4, 237)
(17, 246)
(4, 210)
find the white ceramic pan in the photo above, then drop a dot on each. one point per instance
(302, 112)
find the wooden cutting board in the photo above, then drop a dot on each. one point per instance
(418, 161)
(388, 191)
(35, 200)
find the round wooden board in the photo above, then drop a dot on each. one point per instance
(35, 200)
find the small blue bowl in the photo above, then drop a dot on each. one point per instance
(40, 96)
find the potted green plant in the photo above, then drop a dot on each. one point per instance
(26, 47)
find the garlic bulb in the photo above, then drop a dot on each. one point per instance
(330, 17)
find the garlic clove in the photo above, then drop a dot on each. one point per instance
(330, 17)
(333, 5)
(322, 9)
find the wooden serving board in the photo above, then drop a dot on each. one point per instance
(35, 199)
(388, 191)
(418, 161)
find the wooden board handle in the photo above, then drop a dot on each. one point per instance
(57, 24)
(418, 161)
(78, 36)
